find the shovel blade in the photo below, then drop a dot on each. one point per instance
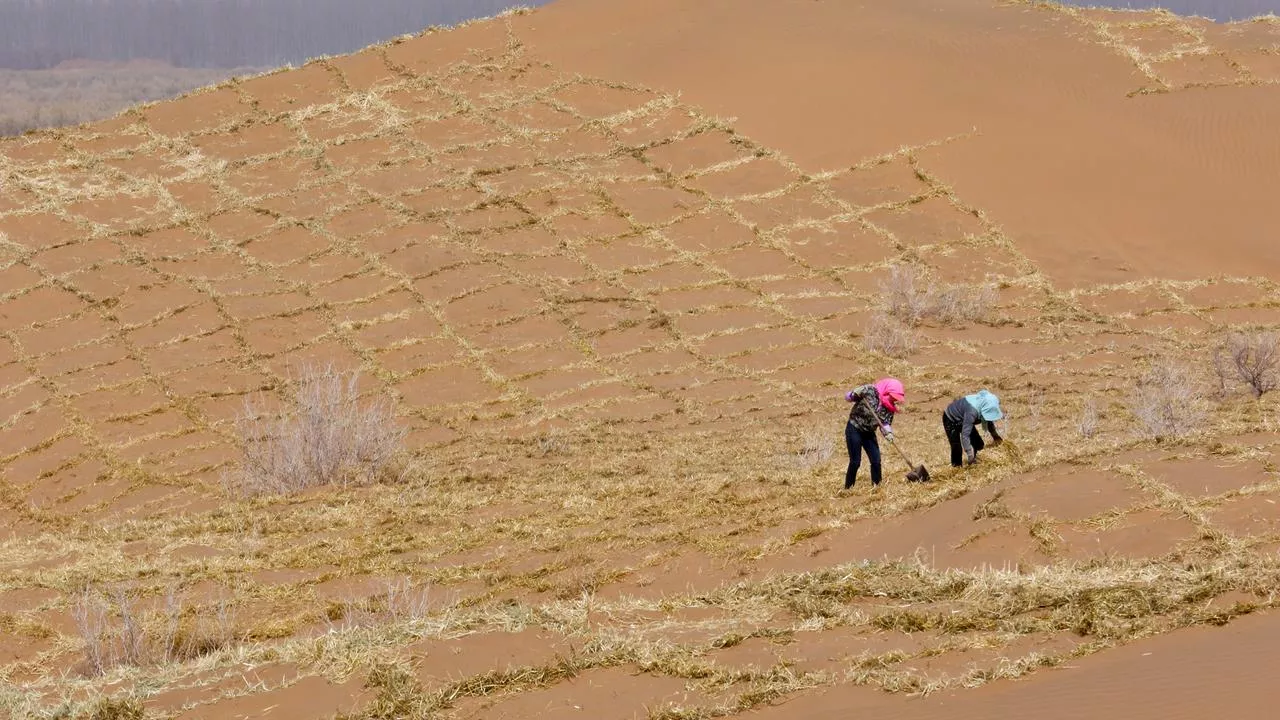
(919, 474)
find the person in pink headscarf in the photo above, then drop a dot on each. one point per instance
(873, 409)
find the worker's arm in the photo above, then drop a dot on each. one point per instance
(995, 436)
(886, 419)
(966, 429)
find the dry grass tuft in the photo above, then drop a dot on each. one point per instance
(117, 709)
(889, 336)
(817, 447)
(328, 437)
(399, 694)
(1250, 359)
(1168, 401)
(959, 305)
(400, 604)
(993, 508)
(1087, 424)
(910, 296)
(112, 636)
(116, 633)
(901, 297)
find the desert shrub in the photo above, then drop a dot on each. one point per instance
(188, 635)
(817, 446)
(115, 632)
(112, 635)
(1087, 425)
(327, 436)
(960, 304)
(401, 603)
(1168, 400)
(901, 297)
(913, 298)
(888, 336)
(1250, 359)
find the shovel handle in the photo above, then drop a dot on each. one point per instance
(900, 451)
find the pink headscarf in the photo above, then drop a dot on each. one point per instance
(891, 392)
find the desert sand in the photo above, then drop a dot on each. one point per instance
(615, 264)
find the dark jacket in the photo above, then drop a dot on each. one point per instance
(962, 414)
(867, 412)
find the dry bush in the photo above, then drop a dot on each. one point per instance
(401, 603)
(189, 634)
(328, 436)
(1169, 400)
(1088, 422)
(901, 297)
(890, 337)
(112, 636)
(817, 446)
(1252, 360)
(960, 304)
(115, 632)
(910, 296)
(404, 603)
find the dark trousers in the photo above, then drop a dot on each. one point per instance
(857, 441)
(952, 428)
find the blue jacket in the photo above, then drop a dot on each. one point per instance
(968, 410)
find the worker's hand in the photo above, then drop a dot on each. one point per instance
(888, 434)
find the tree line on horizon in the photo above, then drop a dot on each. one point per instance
(40, 34)
(32, 99)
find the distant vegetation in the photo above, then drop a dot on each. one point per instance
(31, 99)
(1219, 10)
(64, 62)
(39, 34)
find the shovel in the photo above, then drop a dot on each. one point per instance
(918, 473)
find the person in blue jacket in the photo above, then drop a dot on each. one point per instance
(960, 422)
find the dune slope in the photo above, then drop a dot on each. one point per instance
(614, 266)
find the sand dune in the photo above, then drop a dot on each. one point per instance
(1147, 679)
(614, 265)
(1031, 111)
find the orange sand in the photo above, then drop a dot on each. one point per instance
(637, 244)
